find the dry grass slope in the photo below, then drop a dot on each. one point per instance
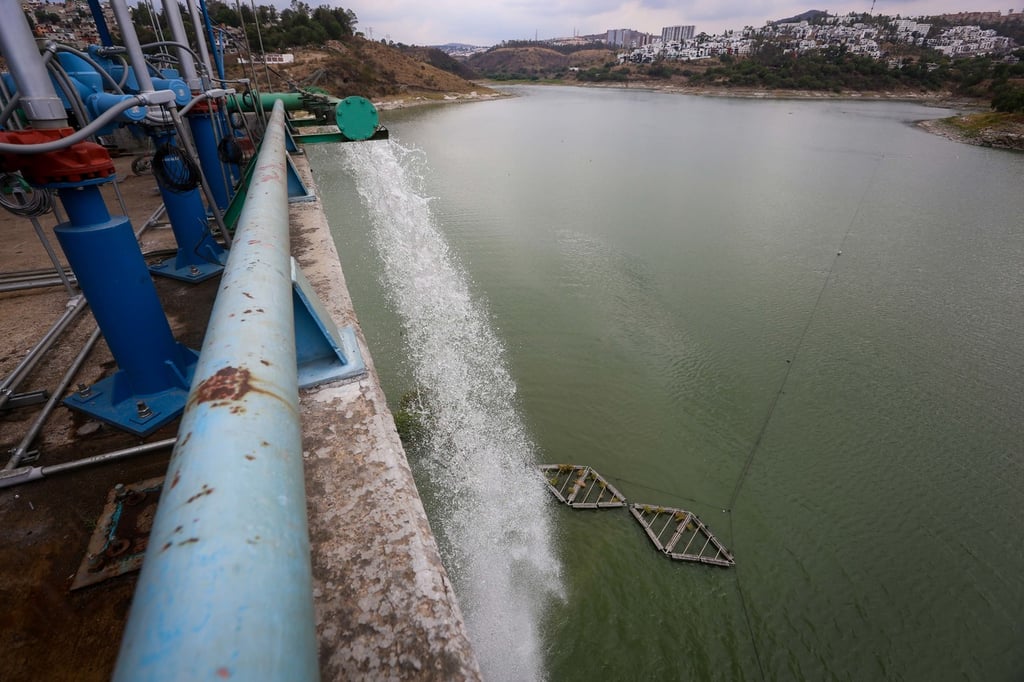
(367, 68)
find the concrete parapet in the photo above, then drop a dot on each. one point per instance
(384, 605)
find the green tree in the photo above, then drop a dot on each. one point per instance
(1009, 98)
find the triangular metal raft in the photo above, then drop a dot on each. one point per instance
(681, 535)
(581, 487)
(324, 352)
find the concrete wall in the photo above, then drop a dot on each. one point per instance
(385, 606)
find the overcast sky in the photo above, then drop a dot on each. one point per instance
(487, 22)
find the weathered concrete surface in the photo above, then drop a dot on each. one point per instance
(385, 607)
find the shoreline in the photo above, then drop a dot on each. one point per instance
(941, 100)
(1006, 136)
(939, 126)
(944, 101)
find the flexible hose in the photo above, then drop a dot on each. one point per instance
(97, 124)
(174, 170)
(35, 202)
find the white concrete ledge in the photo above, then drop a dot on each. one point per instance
(384, 605)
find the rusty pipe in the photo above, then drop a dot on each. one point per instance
(226, 586)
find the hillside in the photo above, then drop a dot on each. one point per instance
(442, 60)
(535, 62)
(357, 66)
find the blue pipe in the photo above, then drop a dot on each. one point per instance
(226, 588)
(101, 23)
(104, 255)
(205, 137)
(218, 50)
(199, 255)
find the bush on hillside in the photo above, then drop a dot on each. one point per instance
(1009, 98)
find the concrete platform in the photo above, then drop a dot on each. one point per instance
(385, 607)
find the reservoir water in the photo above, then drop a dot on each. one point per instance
(801, 320)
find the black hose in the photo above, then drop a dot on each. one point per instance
(174, 170)
(229, 151)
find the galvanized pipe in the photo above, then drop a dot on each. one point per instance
(27, 474)
(58, 393)
(131, 43)
(39, 100)
(204, 51)
(33, 283)
(188, 65)
(28, 363)
(226, 589)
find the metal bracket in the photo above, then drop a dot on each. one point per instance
(336, 137)
(297, 191)
(26, 458)
(324, 352)
(25, 399)
(113, 401)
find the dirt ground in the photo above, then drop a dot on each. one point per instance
(48, 632)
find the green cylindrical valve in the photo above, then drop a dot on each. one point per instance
(357, 118)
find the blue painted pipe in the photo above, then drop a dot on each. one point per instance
(206, 141)
(104, 255)
(226, 587)
(101, 23)
(199, 255)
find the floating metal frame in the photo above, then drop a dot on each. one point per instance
(581, 487)
(681, 525)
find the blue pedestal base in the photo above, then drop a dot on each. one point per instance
(112, 401)
(191, 272)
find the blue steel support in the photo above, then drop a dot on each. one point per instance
(226, 590)
(150, 387)
(152, 382)
(199, 255)
(101, 23)
(218, 50)
(201, 124)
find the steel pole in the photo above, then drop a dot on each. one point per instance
(204, 51)
(39, 100)
(226, 587)
(188, 65)
(131, 44)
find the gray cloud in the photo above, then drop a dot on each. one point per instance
(488, 23)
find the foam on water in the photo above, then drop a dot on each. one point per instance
(495, 532)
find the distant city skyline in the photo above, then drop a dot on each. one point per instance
(480, 23)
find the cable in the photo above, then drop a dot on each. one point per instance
(88, 131)
(746, 611)
(229, 151)
(20, 198)
(174, 170)
(201, 68)
(259, 36)
(799, 344)
(87, 58)
(741, 479)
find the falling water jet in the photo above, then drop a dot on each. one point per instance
(494, 530)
